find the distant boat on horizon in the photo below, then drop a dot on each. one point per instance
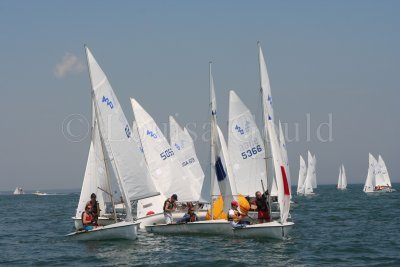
(378, 179)
(19, 191)
(38, 193)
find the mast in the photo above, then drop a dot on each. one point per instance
(279, 168)
(265, 139)
(213, 119)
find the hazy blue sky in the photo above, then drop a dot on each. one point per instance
(324, 57)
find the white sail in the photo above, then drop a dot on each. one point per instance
(164, 166)
(314, 173)
(379, 177)
(302, 176)
(221, 168)
(183, 146)
(285, 158)
(308, 187)
(370, 181)
(384, 172)
(339, 184)
(213, 138)
(223, 171)
(344, 178)
(279, 166)
(19, 191)
(95, 179)
(128, 163)
(246, 148)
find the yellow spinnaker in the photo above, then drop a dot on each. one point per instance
(243, 204)
(218, 212)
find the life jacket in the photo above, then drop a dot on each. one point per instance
(170, 206)
(262, 204)
(88, 217)
(193, 218)
(237, 214)
(95, 208)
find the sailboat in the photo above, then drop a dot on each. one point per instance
(378, 178)
(302, 177)
(95, 179)
(342, 180)
(119, 150)
(280, 228)
(169, 173)
(246, 151)
(19, 191)
(308, 183)
(221, 175)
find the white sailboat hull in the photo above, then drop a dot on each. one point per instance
(383, 190)
(273, 229)
(103, 221)
(201, 227)
(120, 230)
(159, 218)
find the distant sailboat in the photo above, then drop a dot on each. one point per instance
(302, 177)
(378, 177)
(19, 191)
(308, 183)
(342, 180)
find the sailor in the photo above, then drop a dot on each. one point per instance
(169, 207)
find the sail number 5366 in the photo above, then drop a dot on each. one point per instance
(251, 152)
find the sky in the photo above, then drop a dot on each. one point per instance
(333, 67)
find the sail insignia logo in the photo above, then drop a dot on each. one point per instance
(179, 147)
(128, 131)
(108, 102)
(239, 129)
(151, 134)
(269, 99)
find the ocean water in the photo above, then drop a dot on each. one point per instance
(332, 228)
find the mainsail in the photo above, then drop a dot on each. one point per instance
(279, 166)
(246, 148)
(183, 145)
(302, 176)
(127, 162)
(164, 167)
(370, 181)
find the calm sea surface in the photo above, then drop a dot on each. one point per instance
(347, 228)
